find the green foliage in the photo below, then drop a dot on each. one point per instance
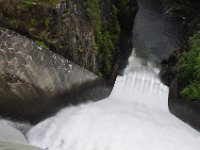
(94, 13)
(106, 34)
(28, 19)
(192, 91)
(107, 48)
(113, 25)
(189, 69)
(41, 44)
(110, 37)
(34, 2)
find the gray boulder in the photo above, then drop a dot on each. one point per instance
(30, 76)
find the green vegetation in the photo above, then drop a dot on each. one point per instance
(107, 49)
(95, 14)
(23, 15)
(41, 44)
(106, 34)
(35, 18)
(189, 70)
(113, 25)
(34, 2)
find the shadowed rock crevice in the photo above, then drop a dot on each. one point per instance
(25, 102)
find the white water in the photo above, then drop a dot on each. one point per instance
(23, 127)
(134, 117)
(11, 138)
(7, 132)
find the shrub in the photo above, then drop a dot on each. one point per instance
(189, 69)
(192, 91)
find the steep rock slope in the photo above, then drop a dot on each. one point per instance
(31, 75)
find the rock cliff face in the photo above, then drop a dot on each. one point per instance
(62, 25)
(72, 28)
(30, 75)
(35, 81)
(188, 12)
(27, 61)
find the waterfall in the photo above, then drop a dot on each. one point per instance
(134, 117)
(139, 79)
(135, 84)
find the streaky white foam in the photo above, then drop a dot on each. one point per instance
(134, 117)
(141, 86)
(137, 62)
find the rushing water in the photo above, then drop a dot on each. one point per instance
(13, 139)
(10, 145)
(134, 117)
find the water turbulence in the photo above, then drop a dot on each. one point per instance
(134, 117)
(141, 84)
(134, 85)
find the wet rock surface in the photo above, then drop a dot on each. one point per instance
(30, 76)
(186, 110)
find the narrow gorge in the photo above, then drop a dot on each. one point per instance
(96, 74)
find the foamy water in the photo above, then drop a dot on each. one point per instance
(134, 117)
(13, 139)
